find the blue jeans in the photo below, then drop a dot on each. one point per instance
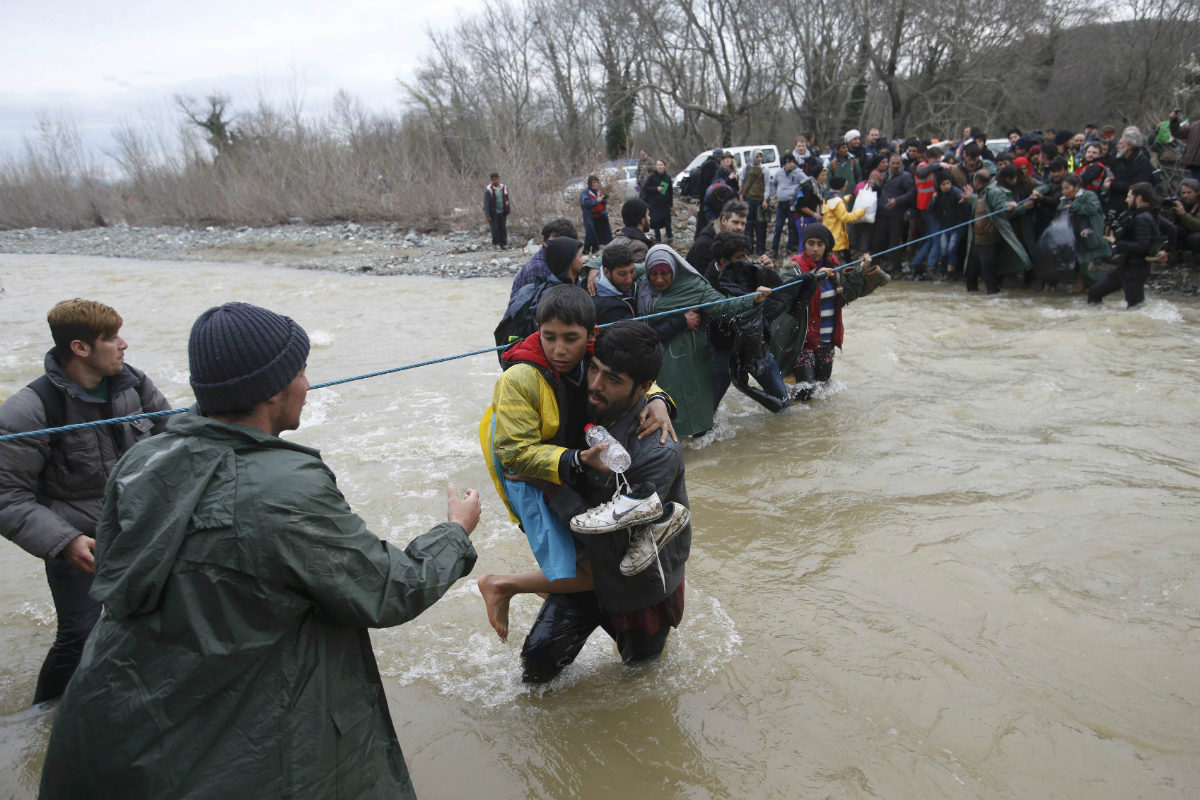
(949, 246)
(929, 251)
(770, 379)
(783, 219)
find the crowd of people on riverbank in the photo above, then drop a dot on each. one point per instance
(921, 201)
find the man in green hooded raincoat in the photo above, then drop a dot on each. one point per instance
(232, 658)
(993, 247)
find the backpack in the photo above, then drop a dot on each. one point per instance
(52, 399)
(520, 319)
(55, 404)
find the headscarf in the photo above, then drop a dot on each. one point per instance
(657, 255)
(1021, 162)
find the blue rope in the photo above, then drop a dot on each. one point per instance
(155, 414)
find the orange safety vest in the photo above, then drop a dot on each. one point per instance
(926, 188)
(1098, 183)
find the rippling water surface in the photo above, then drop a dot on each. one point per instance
(968, 569)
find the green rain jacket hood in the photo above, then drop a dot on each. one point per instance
(686, 372)
(232, 659)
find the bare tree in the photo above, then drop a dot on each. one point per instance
(222, 136)
(718, 42)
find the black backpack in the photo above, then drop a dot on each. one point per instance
(52, 399)
(55, 404)
(519, 320)
(687, 183)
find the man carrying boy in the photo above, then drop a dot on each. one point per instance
(533, 443)
(636, 610)
(51, 487)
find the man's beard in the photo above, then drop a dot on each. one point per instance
(611, 412)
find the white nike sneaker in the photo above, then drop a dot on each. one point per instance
(620, 512)
(648, 540)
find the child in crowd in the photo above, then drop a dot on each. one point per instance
(835, 288)
(837, 217)
(533, 441)
(952, 209)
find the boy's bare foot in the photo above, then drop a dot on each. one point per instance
(495, 599)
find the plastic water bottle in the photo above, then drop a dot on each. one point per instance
(615, 456)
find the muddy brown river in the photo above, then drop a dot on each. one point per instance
(968, 569)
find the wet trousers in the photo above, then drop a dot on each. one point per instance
(77, 615)
(1129, 277)
(564, 625)
(984, 260)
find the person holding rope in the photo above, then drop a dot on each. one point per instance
(836, 286)
(993, 249)
(232, 658)
(51, 486)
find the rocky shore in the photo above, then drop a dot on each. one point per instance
(374, 249)
(347, 247)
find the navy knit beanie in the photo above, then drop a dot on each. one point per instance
(241, 355)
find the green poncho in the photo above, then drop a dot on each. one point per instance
(232, 659)
(686, 372)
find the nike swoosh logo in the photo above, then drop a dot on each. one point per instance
(619, 514)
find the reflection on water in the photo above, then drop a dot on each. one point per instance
(966, 569)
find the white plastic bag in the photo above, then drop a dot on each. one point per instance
(868, 199)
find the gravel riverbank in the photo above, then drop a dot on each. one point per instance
(350, 247)
(346, 247)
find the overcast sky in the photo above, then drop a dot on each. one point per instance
(107, 62)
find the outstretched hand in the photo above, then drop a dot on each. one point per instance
(463, 510)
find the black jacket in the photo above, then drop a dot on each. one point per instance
(659, 201)
(1137, 236)
(613, 308)
(737, 279)
(1133, 168)
(708, 171)
(660, 465)
(700, 253)
(899, 187)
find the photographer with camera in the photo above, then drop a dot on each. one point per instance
(1183, 211)
(1189, 133)
(1137, 242)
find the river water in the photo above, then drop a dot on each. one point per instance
(967, 569)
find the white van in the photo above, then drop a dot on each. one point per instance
(742, 155)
